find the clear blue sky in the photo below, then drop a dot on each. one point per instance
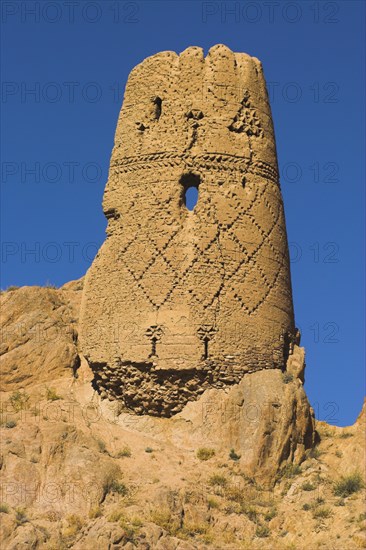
(76, 58)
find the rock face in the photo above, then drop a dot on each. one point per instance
(179, 301)
(266, 418)
(76, 472)
(38, 334)
(256, 418)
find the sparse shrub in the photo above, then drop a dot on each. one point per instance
(287, 377)
(218, 480)
(348, 485)
(51, 394)
(20, 516)
(235, 493)
(125, 452)
(263, 502)
(50, 285)
(10, 424)
(52, 515)
(117, 487)
(165, 520)
(34, 459)
(289, 470)
(233, 455)
(286, 487)
(111, 482)
(191, 528)
(319, 500)
(250, 480)
(345, 435)
(339, 454)
(19, 400)
(240, 506)
(322, 512)
(306, 506)
(233, 508)
(11, 288)
(205, 453)
(207, 538)
(74, 524)
(129, 531)
(136, 522)
(149, 450)
(130, 527)
(101, 445)
(314, 453)
(212, 503)
(262, 531)
(95, 512)
(307, 486)
(229, 536)
(340, 502)
(251, 512)
(4, 508)
(325, 432)
(116, 515)
(361, 522)
(272, 513)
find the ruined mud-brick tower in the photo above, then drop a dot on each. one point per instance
(178, 301)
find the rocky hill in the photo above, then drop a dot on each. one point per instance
(82, 472)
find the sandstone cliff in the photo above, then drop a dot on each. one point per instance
(80, 472)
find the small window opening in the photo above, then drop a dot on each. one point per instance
(153, 346)
(158, 104)
(191, 198)
(190, 183)
(205, 343)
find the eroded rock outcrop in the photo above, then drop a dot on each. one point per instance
(265, 417)
(77, 472)
(38, 334)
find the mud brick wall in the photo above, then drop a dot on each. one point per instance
(176, 300)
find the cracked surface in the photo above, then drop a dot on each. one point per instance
(190, 293)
